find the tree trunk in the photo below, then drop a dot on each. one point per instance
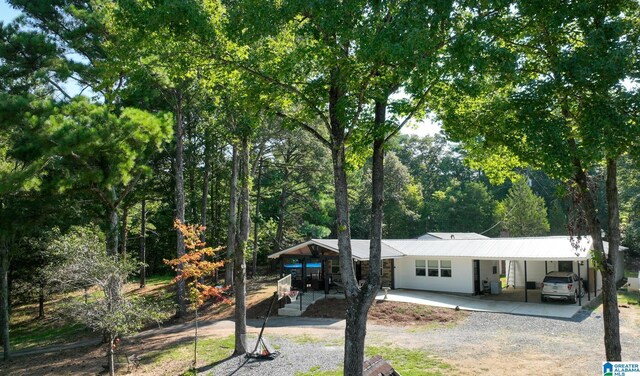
(282, 210)
(215, 217)
(233, 214)
(609, 292)
(215, 221)
(41, 298)
(179, 176)
(191, 160)
(205, 187)
(240, 277)
(195, 342)
(112, 232)
(111, 356)
(143, 243)
(4, 297)
(125, 230)
(613, 347)
(358, 305)
(256, 219)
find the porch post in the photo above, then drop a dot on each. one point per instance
(281, 266)
(325, 276)
(588, 282)
(304, 274)
(393, 274)
(526, 298)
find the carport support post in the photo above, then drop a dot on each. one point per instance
(588, 282)
(579, 286)
(526, 298)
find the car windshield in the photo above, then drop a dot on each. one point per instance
(552, 279)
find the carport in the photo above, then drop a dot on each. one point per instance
(523, 277)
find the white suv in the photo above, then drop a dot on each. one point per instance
(560, 285)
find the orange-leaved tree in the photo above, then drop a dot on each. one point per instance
(194, 269)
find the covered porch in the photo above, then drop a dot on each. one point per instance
(314, 265)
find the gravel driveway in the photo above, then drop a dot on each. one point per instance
(484, 343)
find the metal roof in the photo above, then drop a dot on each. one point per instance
(451, 236)
(534, 248)
(359, 249)
(542, 248)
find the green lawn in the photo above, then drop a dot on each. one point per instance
(315, 371)
(628, 297)
(409, 362)
(41, 333)
(27, 331)
(180, 356)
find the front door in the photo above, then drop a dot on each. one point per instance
(476, 277)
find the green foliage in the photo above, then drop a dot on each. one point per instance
(553, 90)
(629, 186)
(402, 206)
(523, 213)
(462, 208)
(103, 150)
(86, 265)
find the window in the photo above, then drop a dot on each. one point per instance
(421, 268)
(433, 268)
(335, 267)
(445, 268)
(565, 266)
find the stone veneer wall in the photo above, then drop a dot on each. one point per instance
(387, 270)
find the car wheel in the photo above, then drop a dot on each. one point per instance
(574, 298)
(542, 298)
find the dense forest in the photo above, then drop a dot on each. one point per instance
(119, 117)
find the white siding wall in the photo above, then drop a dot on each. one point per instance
(486, 270)
(461, 280)
(535, 272)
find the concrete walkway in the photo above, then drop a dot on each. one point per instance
(469, 303)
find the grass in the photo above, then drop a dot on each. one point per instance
(631, 273)
(409, 362)
(28, 331)
(304, 339)
(210, 350)
(157, 280)
(628, 297)
(316, 371)
(42, 333)
(431, 326)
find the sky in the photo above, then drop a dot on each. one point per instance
(416, 127)
(7, 13)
